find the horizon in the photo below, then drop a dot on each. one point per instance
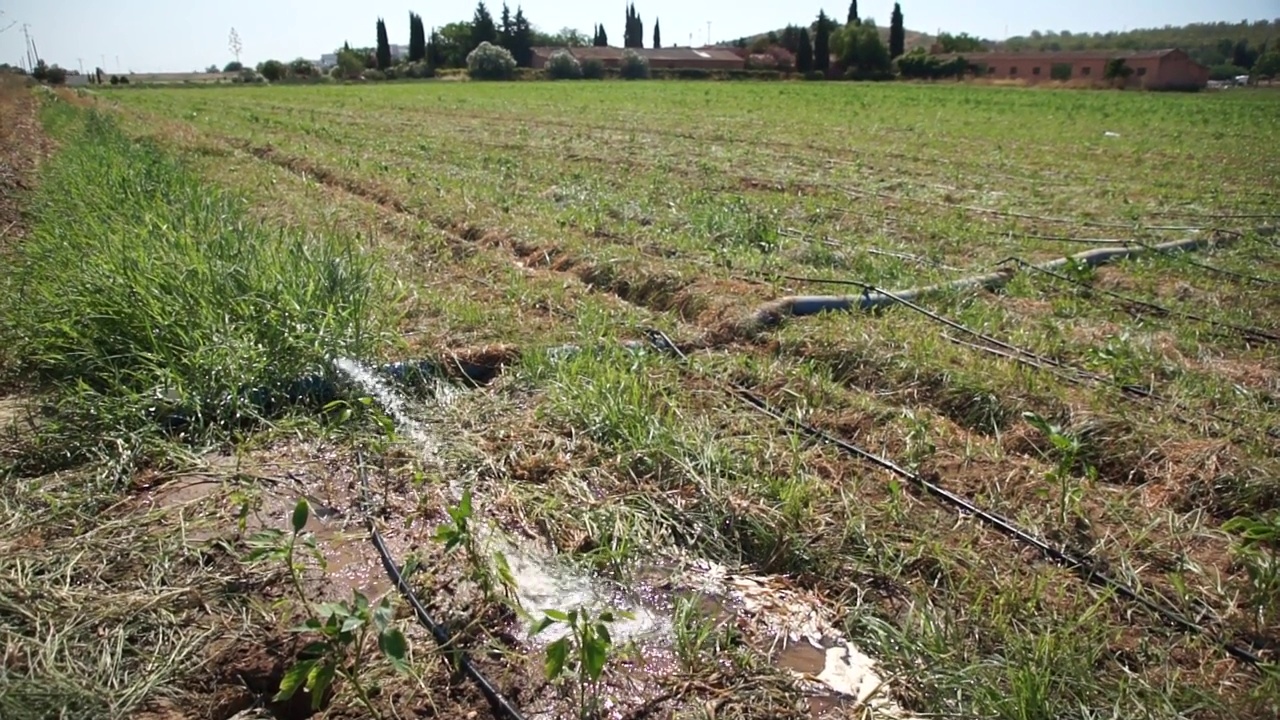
(130, 35)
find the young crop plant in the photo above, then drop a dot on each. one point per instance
(344, 628)
(460, 533)
(584, 650)
(1068, 449)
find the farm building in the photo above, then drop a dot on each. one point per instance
(1152, 69)
(673, 57)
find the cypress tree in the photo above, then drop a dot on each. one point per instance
(804, 56)
(482, 28)
(822, 44)
(507, 30)
(522, 39)
(657, 35)
(417, 38)
(435, 54)
(897, 34)
(604, 36)
(384, 46)
(853, 14)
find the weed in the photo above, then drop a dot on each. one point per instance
(460, 533)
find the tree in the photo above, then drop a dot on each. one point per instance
(602, 37)
(521, 39)
(272, 70)
(350, 64)
(302, 68)
(211, 69)
(964, 42)
(633, 33)
(383, 52)
(1117, 71)
(1241, 54)
(853, 14)
(507, 30)
(865, 55)
(897, 33)
(234, 45)
(233, 66)
(435, 54)
(804, 58)
(482, 28)
(1268, 65)
(417, 38)
(789, 39)
(822, 44)
(657, 35)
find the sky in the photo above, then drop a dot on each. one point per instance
(163, 35)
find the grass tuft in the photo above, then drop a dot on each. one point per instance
(143, 295)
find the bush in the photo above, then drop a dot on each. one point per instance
(272, 70)
(593, 70)
(419, 70)
(490, 62)
(1226, 71)
(1060, 72)
(350, 65)
(247, 75)
(115, 79)
(525, 74)
(373, 75)
(563, 66)
(56, 75)
(302, 68)
(693, 74)
(815, 75)
(634, 65)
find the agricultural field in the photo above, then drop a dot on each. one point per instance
(685, 374)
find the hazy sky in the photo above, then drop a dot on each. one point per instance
(158, 35)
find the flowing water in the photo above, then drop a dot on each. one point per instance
(542, 583)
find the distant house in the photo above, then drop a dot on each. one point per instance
(1152, 69)
(671, 58)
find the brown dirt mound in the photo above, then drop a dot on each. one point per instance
(23, 145)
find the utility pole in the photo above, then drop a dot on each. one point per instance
(80, 61)
(708, 32)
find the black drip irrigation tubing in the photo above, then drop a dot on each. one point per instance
(1248, 332)
(1065, 371)
(501, 706)
(1084, 566)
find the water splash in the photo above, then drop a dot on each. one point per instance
(392, 402)
(542, 583)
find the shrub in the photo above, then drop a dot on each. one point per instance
(490, 62)
(1060, 71)
(761, 61)
(374, 75)
(350, 64)
(124, 79)
(247, 75)
(56, 75)
(419, 70)
(272, 70)
(115, 79)
(302, 68)
(693, 73)
(593, 70)
(815, 75)
(1226, 71)
(1117, 71)
(525, 74)
(634, 65)
(563, 66)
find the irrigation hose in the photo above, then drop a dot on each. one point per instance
(1083, 566)
(501, 706)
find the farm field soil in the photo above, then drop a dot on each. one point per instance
(1128, 414)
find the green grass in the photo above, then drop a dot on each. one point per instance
(537, 214)
(142, 296)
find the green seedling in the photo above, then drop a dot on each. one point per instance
(585, 650)
(459, 533)
(1067, 448)
(345, 628)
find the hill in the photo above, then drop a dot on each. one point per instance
(1208, 43)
